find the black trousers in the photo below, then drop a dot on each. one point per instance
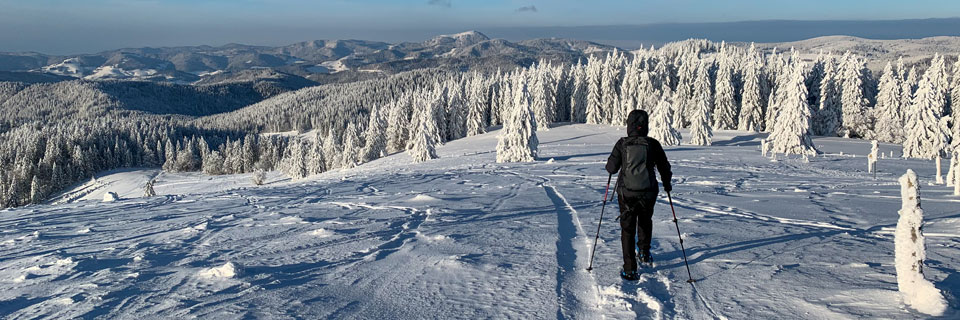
(636, 220)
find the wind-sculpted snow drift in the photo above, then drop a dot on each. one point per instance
(464, 237)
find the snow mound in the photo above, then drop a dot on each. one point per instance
(110, 197)
(320, 233)
(423, 198)
(226, 271)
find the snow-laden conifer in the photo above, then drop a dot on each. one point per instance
(517, 141)
(889, 127)
(791, 135)
(479, 106)
(926, 132)
(751, 114)
(595, 74)
(578, 95)
(375, 144)
(661, 126)
(701, 134)
(424, 137)
(726, 110)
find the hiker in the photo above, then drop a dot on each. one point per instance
(637, 155)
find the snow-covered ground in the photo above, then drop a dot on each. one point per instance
(464, 237)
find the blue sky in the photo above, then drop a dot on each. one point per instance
(64, 26)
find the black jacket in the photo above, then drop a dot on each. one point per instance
(637, 141)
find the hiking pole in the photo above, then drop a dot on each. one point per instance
(602, 207)
(681, 239)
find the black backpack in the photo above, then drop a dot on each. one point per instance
(635, 172)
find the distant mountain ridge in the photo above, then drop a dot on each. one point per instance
(321, 61)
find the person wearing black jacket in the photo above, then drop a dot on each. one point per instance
(635, 157)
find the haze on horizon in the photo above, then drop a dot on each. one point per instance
(69, 27)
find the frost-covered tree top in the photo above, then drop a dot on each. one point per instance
(791, 135)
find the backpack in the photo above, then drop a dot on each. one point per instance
(635, 173)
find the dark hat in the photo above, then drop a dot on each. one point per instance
(638, 123)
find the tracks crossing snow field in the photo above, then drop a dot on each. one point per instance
(464, 237)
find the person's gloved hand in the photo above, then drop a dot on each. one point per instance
(667, 187)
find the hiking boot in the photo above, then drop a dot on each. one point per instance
(646, 258)
(630, 276)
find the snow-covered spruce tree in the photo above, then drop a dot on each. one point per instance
(612, 69)
(506, 97)
(517, 141)
(398, 124)
(259, 177)
(630, 87)
(212, 163)
(578, 96)
(352, 147)
(725, 114)
(701, 134)
(332, 150)
(594, 112)
(815, 79)
(479, 104)
(684, 94)
(294, 159)
(791, 135)
(649, 96)
(828, 116)
(424, 136)
(853, 103)
(661, 126)
(316, 160)
(926, 131)
(542, 96)
(775, 71)
(954, 101)
(910, 251)
(751, 114)
(889, 126)
(456, 110)
(375, 145)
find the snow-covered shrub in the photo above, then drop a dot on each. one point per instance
(148, 189)
(917, 292)
(259, 177)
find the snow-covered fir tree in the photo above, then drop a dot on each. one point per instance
(726, 111)
(594, 111)
(926, 131)
(751, 114)
(954, 101)
(542, 94)
(375, 145)
(701, 134)
(683, 95)
(479, 104)
(352, 147)
(398, 124)
(610, 96)
(630, 87)
(517, 141)
(775, 71)
(828, 116)
(889, 126)
(294, 162)
(661, 124)
(578, 95)
(424, 137)
(791, 135)
(317, 161)
(854, 121)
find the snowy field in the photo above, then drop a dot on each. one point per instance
(464, 237)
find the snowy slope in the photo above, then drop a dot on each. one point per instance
(464, 237)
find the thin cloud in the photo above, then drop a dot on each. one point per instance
(440, 3)
(527, 9)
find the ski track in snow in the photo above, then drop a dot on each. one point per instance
(463, 237)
